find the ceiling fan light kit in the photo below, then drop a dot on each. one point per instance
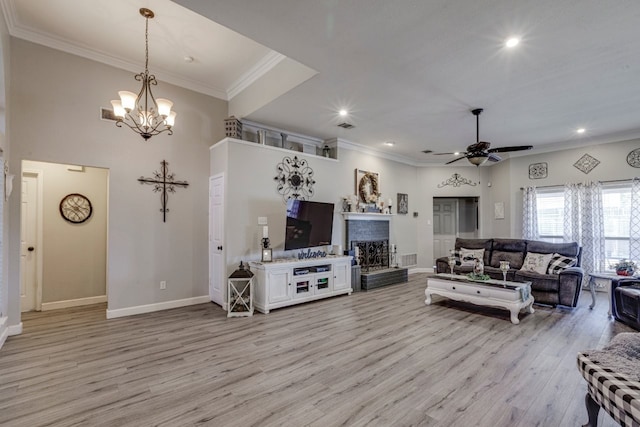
(478, 153)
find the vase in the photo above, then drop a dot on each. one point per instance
(626, 271)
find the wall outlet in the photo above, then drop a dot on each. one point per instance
(163, 284)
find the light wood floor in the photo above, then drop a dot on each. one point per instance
(380, 358)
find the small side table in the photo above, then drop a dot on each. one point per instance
(592, 287)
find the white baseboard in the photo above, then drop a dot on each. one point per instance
(148, 308)
(15, 329)
(73, 302)
(4, 331)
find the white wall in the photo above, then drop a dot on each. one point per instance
(251, 192)
(514, 174)
(55, 100)
(74, 255)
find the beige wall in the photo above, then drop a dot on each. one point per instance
(5, 72)
(74, 255)
(55, 100)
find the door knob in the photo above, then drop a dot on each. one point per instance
(219, 248)
(31, 248)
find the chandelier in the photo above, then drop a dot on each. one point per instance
(142, 113)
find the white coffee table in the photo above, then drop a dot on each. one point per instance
(512, 296)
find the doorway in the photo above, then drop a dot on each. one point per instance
(453, 217)
(63, 233)
(30, 238)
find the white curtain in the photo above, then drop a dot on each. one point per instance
(634, 226)
(583, 223)
(530, 214)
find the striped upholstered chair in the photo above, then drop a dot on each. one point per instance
(613, 380)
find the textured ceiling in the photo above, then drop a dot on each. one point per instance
(408, 71)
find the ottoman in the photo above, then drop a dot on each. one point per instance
(613, 380)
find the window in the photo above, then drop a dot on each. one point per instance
(616, 201)
(550, 207)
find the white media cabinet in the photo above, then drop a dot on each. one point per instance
(291, 281)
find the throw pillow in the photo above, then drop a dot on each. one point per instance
(468, 256)
(560, 262)
(536, 263)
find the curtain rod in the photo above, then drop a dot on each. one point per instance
(602, 182)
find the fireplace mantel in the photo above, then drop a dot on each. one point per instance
(366, 216)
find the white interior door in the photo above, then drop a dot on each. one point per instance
(216, 240)
(445, 226)
(28, 240)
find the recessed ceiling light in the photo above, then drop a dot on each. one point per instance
(390, 143)
(512, 42)
(581, 130)
(343, 113)
(457, 153)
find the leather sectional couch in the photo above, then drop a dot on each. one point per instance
(553, 289)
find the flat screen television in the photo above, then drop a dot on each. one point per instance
(309, 224)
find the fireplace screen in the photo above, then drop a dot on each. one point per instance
(372, 255)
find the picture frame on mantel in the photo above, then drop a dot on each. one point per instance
(403, 204)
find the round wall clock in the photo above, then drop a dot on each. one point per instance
(75, 208)
(634, 158)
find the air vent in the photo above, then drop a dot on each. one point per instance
(427, 151)
(107, 114)
(408, 260)
(346, 125)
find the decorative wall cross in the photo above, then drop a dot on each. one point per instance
(163, 182)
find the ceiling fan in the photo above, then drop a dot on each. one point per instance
(480, 152)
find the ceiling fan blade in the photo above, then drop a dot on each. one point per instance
(455, 160)
(494, 157)
(507, 149)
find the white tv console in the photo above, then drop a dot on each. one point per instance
(291, 281)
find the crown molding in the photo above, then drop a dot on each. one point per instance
(262, 67)
(84, 51)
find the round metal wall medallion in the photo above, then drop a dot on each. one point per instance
(75, 208)
(634, 158)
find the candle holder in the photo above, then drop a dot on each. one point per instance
(267, 254)
(504, 267)
(452, 263)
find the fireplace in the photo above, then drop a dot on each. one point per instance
(372, 254)
(369, 233)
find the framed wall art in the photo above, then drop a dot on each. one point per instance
(538, 170)
(367, 186)
(403, 203)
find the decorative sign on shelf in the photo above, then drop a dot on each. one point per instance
(163, 182)
(457, 180)
(586, 163)
(538, 170)
(294, 179)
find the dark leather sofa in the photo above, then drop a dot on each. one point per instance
(552, 289)
(625, 295)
